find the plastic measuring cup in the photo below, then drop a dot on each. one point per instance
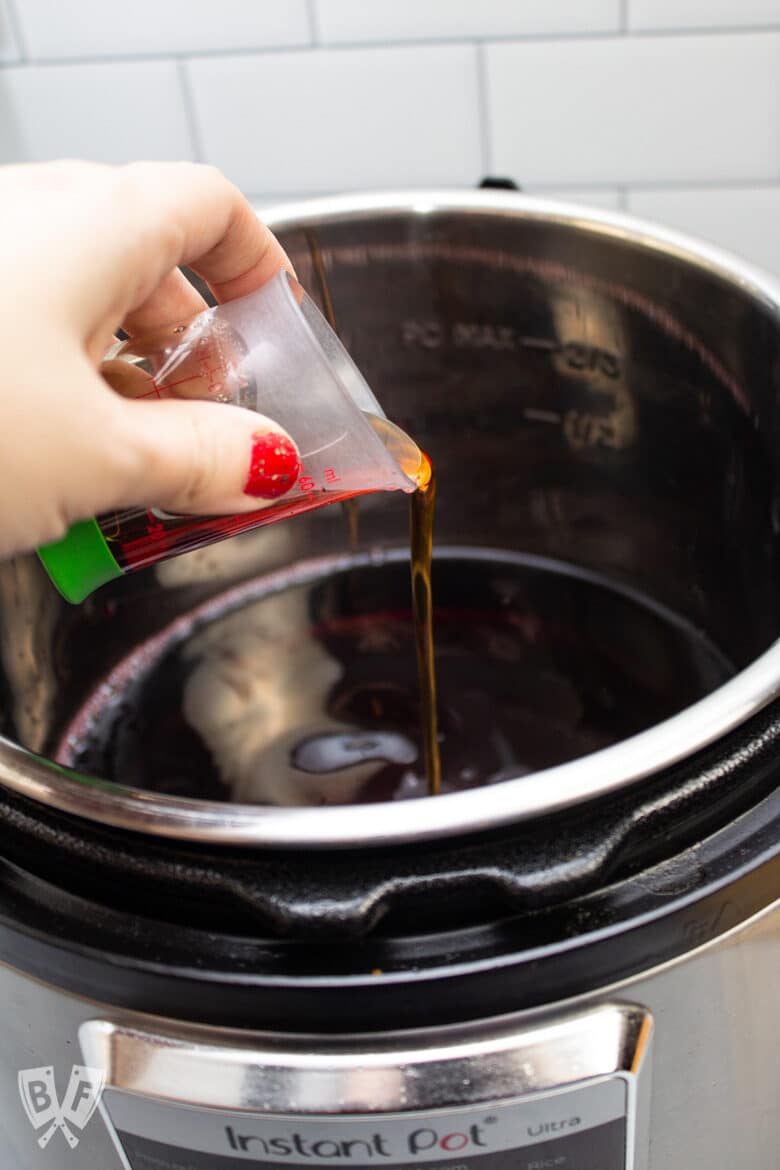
(273, 352)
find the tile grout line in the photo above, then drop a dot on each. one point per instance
(314, 24)
(190, 112)
(624, 16)
(699, 185)
(672, 185)
(483, 108)
(194, 55)
(16, 29)
(574, 37)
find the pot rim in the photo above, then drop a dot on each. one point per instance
(609, 770)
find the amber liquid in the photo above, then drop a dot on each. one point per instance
(422, 509)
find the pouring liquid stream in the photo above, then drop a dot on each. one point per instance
(422, 507)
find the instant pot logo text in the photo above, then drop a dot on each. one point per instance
(424, 1140)
(45, 1112)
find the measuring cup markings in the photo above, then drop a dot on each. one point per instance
(274, 339)
(186, 534)
(155, 529)
(306, 484)
(153, 393)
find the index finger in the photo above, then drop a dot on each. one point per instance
(187, 213)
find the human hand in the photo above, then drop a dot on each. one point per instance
(88, 249)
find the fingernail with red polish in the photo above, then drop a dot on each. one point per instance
(273, 468)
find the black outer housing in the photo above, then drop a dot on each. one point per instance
(428, 934)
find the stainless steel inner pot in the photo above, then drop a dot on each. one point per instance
(591, 389)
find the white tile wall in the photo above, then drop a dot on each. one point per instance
(95, 28)
(652, 14)
(668, 107)
(9, 49)
(112, 113)
(606, 198)
(336, 119)
(639, 109)
(745, 220)
(397, 20)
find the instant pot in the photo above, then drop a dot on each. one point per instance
(574, 966)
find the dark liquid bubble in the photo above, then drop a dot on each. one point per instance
(308, 694)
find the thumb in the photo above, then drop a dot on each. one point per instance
(204, 458)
